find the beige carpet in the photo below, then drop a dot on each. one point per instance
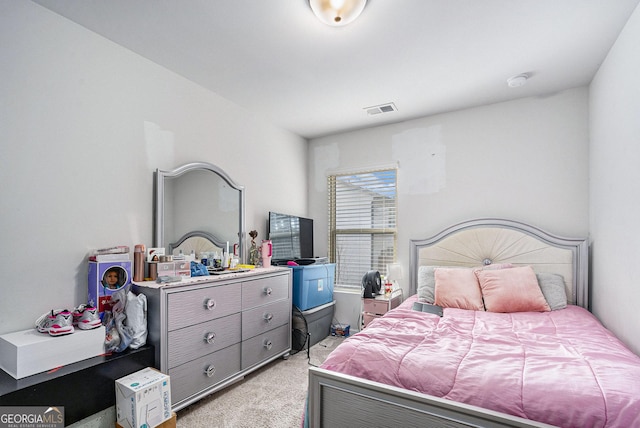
(273, 396)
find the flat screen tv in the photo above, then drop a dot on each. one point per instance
(291, 237)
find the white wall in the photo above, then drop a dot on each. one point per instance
(83, 125)
(615, 186)
(524, 160)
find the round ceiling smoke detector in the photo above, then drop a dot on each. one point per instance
(517, 81)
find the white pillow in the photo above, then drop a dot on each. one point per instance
(553, 289)
(426, 283)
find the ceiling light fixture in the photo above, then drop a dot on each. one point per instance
(517, 81)
(337, 13)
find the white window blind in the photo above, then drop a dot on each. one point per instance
(362, 223)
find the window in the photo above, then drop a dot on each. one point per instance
(362, 223)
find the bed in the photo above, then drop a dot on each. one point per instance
(197, 241)
(503, 353)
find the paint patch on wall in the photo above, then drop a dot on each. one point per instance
(422, 159)
(227, 197)
(325, 158)
(160, 152)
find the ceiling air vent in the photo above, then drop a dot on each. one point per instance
(382, 108)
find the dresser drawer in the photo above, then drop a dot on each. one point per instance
(198, 375)
(194, 306)
(376, 306)
(263, 318)
(259, 292)
(265, 346)
(368, 317)
(189, 343)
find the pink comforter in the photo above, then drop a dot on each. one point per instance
(561, 367)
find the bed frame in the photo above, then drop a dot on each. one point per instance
(198, 238)
(338, 400)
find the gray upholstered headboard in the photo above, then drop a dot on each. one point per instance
(483, 241)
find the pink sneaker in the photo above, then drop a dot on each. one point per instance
(86, 317)
(56, 323)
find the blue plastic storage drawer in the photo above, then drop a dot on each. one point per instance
(313, 285)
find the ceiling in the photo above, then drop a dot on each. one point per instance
(274, 58)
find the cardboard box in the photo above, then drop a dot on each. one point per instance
(25, 353)
(105, 278)
(143, 398)
(340, 330)
(169, 423)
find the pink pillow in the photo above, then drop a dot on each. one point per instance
(457, 288)
(511, 290)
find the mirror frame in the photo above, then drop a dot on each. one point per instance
(161, 175)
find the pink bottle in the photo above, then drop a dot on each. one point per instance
(266, 250)
(138, 263)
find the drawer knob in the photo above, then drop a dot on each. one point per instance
(268, 317)
(209, 371)
(210, 337)
(209, 304)
(268, 291)
(268, 344)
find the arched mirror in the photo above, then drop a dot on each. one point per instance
(198, 205)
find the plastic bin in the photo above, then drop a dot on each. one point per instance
(319, 322)
(313, 285)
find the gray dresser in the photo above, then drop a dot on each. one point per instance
(209, 332)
